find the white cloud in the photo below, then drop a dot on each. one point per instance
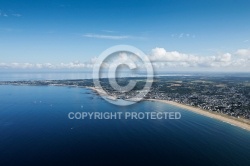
(162, 58)
(16, 15)
(224, 58)
(113, 37)
(183, 35)
(109, 31)
(243, 52)
(9, 13)
(71, 65)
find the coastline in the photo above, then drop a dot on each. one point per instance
(101, 92)
(239, 122)
(242, 123)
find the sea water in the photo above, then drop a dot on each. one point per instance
(35, 130)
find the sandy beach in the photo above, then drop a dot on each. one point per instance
(103, 93)
(242, 123)
(100, 91)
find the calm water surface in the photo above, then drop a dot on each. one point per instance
(35, 130)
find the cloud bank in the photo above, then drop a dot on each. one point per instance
(71, 65)
(227, 61)
(161, 59)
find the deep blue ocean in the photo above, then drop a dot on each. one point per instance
(35, 130)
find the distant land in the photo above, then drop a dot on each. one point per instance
(224, 98)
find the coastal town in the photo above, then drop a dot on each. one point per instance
(224, 95)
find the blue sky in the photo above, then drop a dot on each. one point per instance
(53, 31)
